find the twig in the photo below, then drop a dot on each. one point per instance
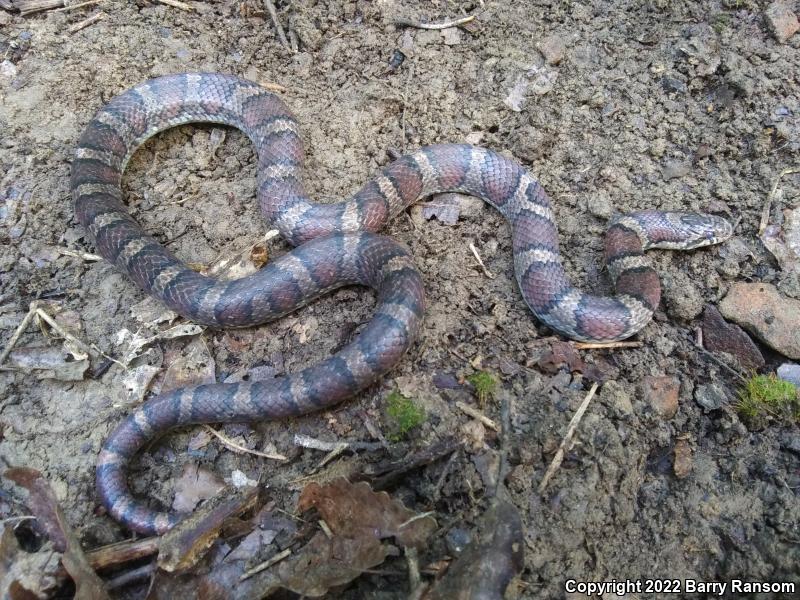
(486, 271)
(718, 361)
(131, 576)
(573, 426)
(596, 345)
(762, 226)
(443, 25)
(82, 255)
(177, 4)
(412, 560)
(74, 6)
(238, 448)
(64, 333)
(86, 22)
(266, 564)
(476, 414)
(18, 332)
(306, 441)
(27, 7)
(273, 14)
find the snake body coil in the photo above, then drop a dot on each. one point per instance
(337, 247)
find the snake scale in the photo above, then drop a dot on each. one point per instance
(336, 246)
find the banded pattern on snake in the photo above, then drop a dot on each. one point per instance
(336, 247)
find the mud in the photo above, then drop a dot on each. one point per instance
(654, 104)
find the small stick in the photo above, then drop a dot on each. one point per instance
(131, 576)
(266, 564)
(306, 441)
(443, 25)
(486, 271)
(273, 14)
(18, 332)
(412, 560)
(86, 22)
(74, 6)
(64, 333)
(573, 426)
(27, 7)
(596, 345)
(177, 4)
(476, 414)
(87, 256)
(325, 529)
(762, 226)
(241, 449)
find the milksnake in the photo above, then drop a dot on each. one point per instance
(336, 246)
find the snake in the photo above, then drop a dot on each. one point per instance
(336, 244)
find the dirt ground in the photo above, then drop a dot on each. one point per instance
(654, 104)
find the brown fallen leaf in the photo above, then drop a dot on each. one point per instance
(196, 366)
(49, 362)
(43, 504)
(561, 354)
(351, 509)
(195, 484)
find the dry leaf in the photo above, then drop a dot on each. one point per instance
(351, 509)
(195, 485)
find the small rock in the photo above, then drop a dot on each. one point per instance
(552, 48)
(710, 396)
(614, 396)
(682, 297)
(791, 441)
(662, 394)
(682, 459)
(790, 372)
(457, 539)
(763, 311)
(600, 206)
(671, 84)
(5, 18)
(676, 168)
(721, 336)
(781, 20)
(8, 69)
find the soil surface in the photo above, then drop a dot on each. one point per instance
(615, 106)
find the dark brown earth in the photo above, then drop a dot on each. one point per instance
(647, 104)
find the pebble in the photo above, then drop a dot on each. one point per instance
(671, 84)
(710, 396)
(781, 20)
(682, 459)
(676, 168)
(457, 539)
(600, 206)
(661, 393)
(552, 48)
(763, 311)
(721, 336)
(616, 397)
(790, 372)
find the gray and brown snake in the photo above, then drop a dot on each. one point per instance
(336, 246)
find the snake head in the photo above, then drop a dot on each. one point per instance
(703, 229)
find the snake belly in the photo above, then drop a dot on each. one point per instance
(336, 246)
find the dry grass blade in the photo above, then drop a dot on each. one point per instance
(573, 426)
(177, 4)
(598, 345)
(241, 449)
(476, 414)
(88, 21)
(442, 25)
